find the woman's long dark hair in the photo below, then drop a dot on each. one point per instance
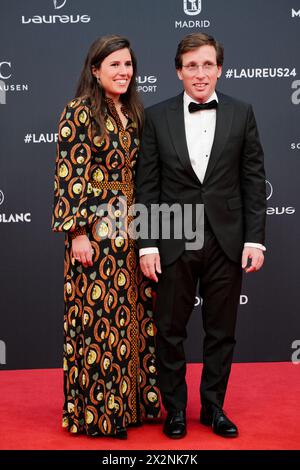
(89, 88)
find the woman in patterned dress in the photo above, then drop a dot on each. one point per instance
(109, 365)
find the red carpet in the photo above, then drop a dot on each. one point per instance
(263, 400)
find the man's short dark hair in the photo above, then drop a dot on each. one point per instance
(194, 41)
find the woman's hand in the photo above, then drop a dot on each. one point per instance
(82, 250)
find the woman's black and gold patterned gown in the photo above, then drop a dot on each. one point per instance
(109, 357)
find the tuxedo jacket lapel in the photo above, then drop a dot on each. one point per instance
(175, 117)
(222, 132)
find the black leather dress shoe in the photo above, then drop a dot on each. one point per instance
(121, 433)
(216, 418)
(175, 424)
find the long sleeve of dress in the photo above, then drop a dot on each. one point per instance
(72, 189)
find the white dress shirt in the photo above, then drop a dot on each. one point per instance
(199, 126)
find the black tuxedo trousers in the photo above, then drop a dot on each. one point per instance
(220, 286)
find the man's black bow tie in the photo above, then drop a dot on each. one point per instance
(193, 107)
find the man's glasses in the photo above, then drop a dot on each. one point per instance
(193, 68)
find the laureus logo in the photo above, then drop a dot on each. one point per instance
(52, 19)
(59, 4)
(192, 7)
(277, 210)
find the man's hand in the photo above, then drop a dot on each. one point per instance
(256, 256)
(150, 265)
(82, 250)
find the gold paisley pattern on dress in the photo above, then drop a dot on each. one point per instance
(109, 364)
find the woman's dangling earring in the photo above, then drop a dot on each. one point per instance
(99, 82)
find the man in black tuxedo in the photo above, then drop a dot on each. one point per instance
(201, 147)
